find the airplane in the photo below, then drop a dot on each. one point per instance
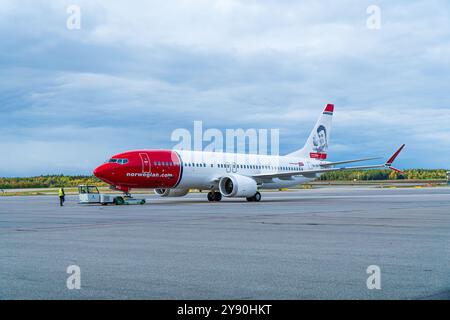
(172, 173)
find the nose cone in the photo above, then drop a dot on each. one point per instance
(100, 171)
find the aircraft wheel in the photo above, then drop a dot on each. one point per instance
(255, 198)
(210, 196)
(217, 196)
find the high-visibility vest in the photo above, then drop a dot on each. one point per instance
(60, 192)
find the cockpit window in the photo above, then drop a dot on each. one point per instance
(119, 161)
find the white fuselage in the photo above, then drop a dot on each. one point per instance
(202, 170)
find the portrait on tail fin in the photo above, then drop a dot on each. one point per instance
(320, 140)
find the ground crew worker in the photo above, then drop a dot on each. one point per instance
(61, 195)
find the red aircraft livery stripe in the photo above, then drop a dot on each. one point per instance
(317, 155)
(144, 169)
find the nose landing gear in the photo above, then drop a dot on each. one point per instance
(214, 196)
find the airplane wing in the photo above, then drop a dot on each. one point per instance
(310, 173)
(330, 164)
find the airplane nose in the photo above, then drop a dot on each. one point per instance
(99, 171)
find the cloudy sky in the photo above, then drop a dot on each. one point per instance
(137, 70)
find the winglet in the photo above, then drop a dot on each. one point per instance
(396, 170)
(392, 159)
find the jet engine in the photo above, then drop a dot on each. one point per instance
(236, 185)
(172, 192)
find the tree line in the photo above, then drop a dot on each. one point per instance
(48, 181)
(55, 181)
(365, 175)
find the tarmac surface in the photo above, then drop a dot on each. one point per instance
(306, 244)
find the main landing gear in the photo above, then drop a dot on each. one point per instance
(255, 198)
(214, 196)
(217, 196)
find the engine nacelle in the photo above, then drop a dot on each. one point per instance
(236, 185)
(172, 192)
